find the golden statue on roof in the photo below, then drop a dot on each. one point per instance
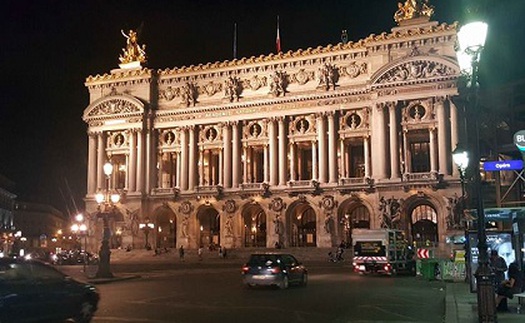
(413, 9)
(133, 54)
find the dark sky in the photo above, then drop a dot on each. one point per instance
(49, 47)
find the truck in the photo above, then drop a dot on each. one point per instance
(382, 251)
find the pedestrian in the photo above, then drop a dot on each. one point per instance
(509, 287)
(181, 253)
(220, 252)
(199, 252)
(499, 266)
(224, 254)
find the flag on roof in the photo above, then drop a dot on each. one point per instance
(278, 39)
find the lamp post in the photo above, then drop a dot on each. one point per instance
(107, 201)
(471, 38)
(80, 229)
(461, 159)
(146, 227)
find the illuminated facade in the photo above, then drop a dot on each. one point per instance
(297, 148)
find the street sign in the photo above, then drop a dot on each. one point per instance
(423, 253)
(519, 140)
(496, 166)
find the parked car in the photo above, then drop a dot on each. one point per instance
(74, 257)
(274, 269)
(32, 291)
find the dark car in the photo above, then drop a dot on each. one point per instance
(32, 291)
(274, 269)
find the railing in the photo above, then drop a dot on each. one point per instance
(352, 181)
(412, 177)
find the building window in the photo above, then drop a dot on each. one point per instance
(420, 153)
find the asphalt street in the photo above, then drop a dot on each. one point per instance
(212, 292)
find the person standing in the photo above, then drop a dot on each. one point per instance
(181, 253)
(499, 266)
(199, 252)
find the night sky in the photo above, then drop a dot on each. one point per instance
(49, 47)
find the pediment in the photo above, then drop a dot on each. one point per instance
(416, 69)
(113, 106)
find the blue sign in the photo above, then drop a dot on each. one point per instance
(496, 166)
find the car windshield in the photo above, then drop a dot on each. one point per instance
(263, 260)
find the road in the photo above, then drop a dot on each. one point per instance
(212, 292)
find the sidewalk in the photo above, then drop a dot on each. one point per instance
(461, 306)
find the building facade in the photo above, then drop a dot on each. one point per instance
(7, 226)
(295, 148)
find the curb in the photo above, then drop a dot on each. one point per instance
(100, 281)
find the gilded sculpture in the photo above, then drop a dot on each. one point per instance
(133, 51)
(413, 9)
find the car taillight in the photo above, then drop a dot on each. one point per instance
(275, 270)
(245, 269)
(387, 267)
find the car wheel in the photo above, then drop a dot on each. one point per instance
(304, 281)
(87, 310)
(284, 283)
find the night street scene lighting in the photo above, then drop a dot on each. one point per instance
(146, 227)
(107, 201)
(471, 38)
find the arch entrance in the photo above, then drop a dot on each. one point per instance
(354, 216)
(209, 226)
(424, 225)
(254, 219)
(302, 228)
(165, 228)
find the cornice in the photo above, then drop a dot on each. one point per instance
(398, 35)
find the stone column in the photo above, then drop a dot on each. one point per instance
(227, 156)
(150, 160)
(432, 138)
(332, 150)
(442, 136)
(132, 161)
(245, 165)
(184, 159)
(366, 151)
(101, 160)
(126, 180)
(406, 155)
(140, 161)
(161, 170)
(266, 176)
(236, 168)
(178, 169)
(394, 149)
(191, 160)
(292, 161)
(282, 152)
(201, 167)
(92, 164)
(221, 169)
(272, 134)
(454, 132)
(315, 174)
(342, 158)
(379, 142)
(321, 141)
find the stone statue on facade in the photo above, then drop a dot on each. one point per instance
(328, 76)
(184, 227)
(189, 94)
(133, 51)
(390, 212)
(228, 226)
(232, 89)
(278, 83)
(413, 9)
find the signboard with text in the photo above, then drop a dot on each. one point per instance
(496, 166)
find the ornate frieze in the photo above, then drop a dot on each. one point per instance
(415, 70)
(232, 89)
(114, 107)
(328, 76)
(278, 83)
(189, 94)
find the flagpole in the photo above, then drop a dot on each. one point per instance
(235, 40)
(278, 38)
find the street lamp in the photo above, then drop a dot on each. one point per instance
(471, 38)
(80, 229)
(106, 206)
(461, 160)
(146, 227)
